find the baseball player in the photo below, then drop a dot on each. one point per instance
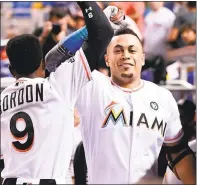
(36, 134)
(125, 120)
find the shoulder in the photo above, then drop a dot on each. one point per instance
(156, 88)
(163, 95)
(165, 99)
(5, 91)
(99, 81)
(6, 83)
(168, 12)
(98, 76)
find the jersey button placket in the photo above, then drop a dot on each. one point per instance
(136, 137)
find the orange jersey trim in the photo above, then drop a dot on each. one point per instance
(177, 136)
(84, 65)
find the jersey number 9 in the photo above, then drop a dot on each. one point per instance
(26, 134)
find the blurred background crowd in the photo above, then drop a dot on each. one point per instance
(163, 27)
(167, 30)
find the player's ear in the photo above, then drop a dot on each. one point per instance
(143, 59)
(106, 60)
(12, 71)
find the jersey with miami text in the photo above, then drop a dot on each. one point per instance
(123, 130)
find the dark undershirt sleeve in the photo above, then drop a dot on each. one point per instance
(100, 32)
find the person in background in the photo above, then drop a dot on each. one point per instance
(101, 5)
(53, 30)
(157, 25)
(136, 12)
(187, 114)
(188, 35)
(176, 6)
(38, 12)
(188, 17)
(79, 22)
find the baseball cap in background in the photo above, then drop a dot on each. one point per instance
(24, 53)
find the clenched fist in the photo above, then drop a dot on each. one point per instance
(116, 17)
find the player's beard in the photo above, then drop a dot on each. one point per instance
(127, 75)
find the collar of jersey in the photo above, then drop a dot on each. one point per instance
(22, 79)
(129, 90)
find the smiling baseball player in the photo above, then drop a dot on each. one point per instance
(125, 120)
(37, 113)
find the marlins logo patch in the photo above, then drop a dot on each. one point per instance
(114, 114)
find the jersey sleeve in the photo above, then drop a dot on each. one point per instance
(71, 76)
(174, 130)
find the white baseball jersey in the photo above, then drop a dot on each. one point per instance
(170, 177)
(37, 122)
(123, 130)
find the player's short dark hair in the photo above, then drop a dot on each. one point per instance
(57, 12)
(126, 31)
(24, 53)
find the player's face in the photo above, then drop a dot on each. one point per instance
(125, 58)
